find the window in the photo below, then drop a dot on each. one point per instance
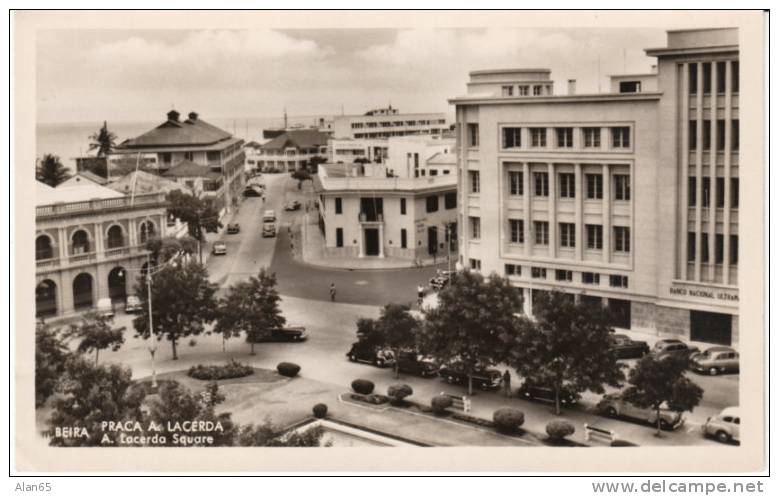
(523, 90)
(541, 180)
(564, 137)
(516, 185)
(691, 192)
(720, 192)
(433, 172)
(517, 227)
(475, 263)
(719, 248)
(513, 270)
(693, 74)
(165, 157)
(473, 177)
(536, 89)
(567, 235)
(475, 227)
(734, 134)
(734, 249)
(630, 86)
(706, 134)
(450, 201)
(721, 77)
(594, 236)
(473, 135)
(538, 137)
(622, 187)
(339, 237)
(733, 192)
(692, 135)
(618, 281)
(690, 246)
(704, 247)
(538, 273)
(620, 137)
(43, 248)
(512, 137)
(705, 192)
(591, 137)
(594, 186)
(542, 232)
(720, 135)
(706, 77)
(621, 239)
(403, 238)
(431, 204)
(563, 275)
(567, 185)
(338, 206)
(590, 278)
(507, 90)
(734, 76)
(402, 206)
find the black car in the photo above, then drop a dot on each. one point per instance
(285, 335)
(441, 279)
(482, 379)
(539, 392)
(411, 363)
(374, 356)
(624, 347)
(233, 228)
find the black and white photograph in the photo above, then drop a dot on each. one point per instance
(521, 238)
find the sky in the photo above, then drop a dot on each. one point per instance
(138, 75)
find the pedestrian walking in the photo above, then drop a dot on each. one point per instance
(332, 291)
(507, 383)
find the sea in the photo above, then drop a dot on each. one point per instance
(69, 140)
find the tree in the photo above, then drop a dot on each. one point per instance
(473, 322)
(103, 141)
(656, 381)
(182, 303)
(50, 357)
(163, 250)
(314, 163)
(200, 216)
(301, 175)
(51, 171)
(89, 395)
(568, 346)
(268, 435)
(396, 329)
(251, 307)
(96, 332)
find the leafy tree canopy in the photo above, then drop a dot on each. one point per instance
(96, 332)
(51, 171)
(103, 141)
(51, 353)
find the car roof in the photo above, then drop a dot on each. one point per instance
(670, 340)
(267, 212)
(719, 348)
(733, 411)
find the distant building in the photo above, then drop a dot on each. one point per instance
(190, 146)
(84, 177)
(388, 122)
(348, 150)
(292, 150)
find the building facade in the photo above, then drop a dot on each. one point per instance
(388, 122)
(292, 150)
(607, 196)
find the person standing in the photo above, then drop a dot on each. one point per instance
(420, 295)
(507, 383)
(332, 291)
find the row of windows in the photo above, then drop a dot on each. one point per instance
(407, 132)
(81, 242)
(692, 192)
(706, 135)
(615, 281)
(590, 137)
(720, 74)
(524, 90)
(719, 248)
(360, 125)
(566, 181)
(431, 203)
(339, 238)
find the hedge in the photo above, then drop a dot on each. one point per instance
(557, 430)
(397, 392)
(288, 369)
(440, 403)
(320, 410)
(508, 420)
(362, 386)
(230, 370)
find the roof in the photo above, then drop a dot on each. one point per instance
(187, 168)
(297, 138)
(145, 182)
(82, 178)
(442, 159)
(93, 177)
(252, 144)
(70, 194)
(173, 132)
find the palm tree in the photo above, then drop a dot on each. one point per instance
(51, 171)
(103, 141)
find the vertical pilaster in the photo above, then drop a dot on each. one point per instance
(527, 207)
(606, 203)
(712, 220)
(684, 174)
(698, 169)
(727, 162)
(578, 211)
(552, 210)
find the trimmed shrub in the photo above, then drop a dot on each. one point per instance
(320, 410)
(230, 370)
(440, 403)
(508, 420)
(397, 392)
(288, 369)
(557, 430)
(621, 443)
(362, 386)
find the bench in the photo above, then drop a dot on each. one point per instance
(459, 402)
(599, 434)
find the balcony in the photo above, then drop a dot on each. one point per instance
(117, 252)
(49, 263)
(371, 218)
(93, 206)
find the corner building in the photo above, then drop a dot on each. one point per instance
(629, 197)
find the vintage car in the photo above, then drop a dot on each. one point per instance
(482, 379)
(367, 354)
(725, 426)
(715, 360)
(219, 248)
(624, 347)
(410, 362)
(539, 392)
(613, 405)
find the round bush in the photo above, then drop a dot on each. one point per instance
(619, 443)
(230, 370)
(558, 430)
(439, 404)
(362, 386)
(288, 369)
(397, 392)
(320, 410)
(508, 420)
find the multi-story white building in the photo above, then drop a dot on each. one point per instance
(348, 150)
(292, 150)
(629, 197)
(385, 123)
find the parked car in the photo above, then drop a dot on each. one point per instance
(441, 279)
(412, 363)
(367, 354)
(614, 406)
(482, 379)
(252, 190)
(219, 248)
(292, 205)
(725, 426)
(132, 304)
(268, 230)
(233, 228)
(269, 216)
(105, 307)
(673, 347)
(715, 360)
(625, 347)
(285, 335)
(539, 392)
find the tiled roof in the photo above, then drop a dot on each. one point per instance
(173, 133)
(146, 182)
(187, 168)
(93, 177)
(297, 138)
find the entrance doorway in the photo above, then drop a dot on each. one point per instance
(46, 299)
(117, 284)
(371, 242)
(82, 291)
(620, 313)
(711, 327)
(432, 240)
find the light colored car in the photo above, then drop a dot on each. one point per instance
(269, 216)
(268, 230)
(105, 307)
(219, 248)
(132, 304)
(614, 406)
(715, 360)
(725, 426)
